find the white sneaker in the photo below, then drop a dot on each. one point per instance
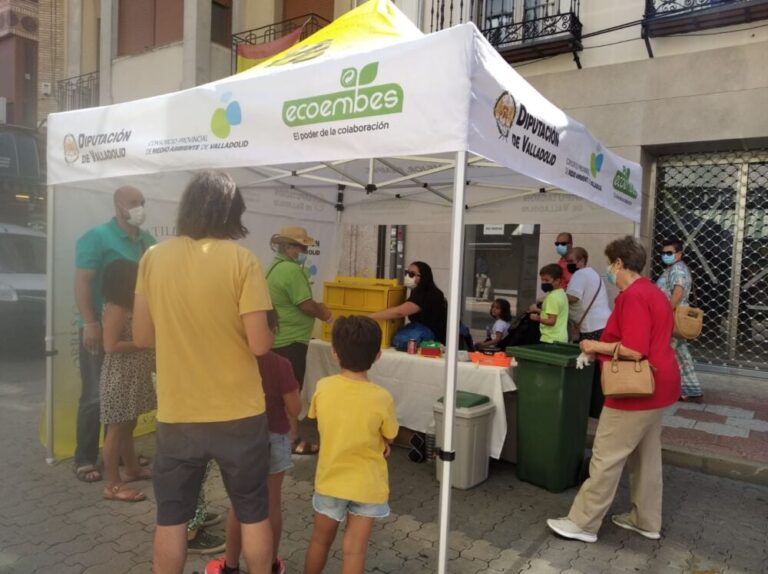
(625, 522)
(567, 529)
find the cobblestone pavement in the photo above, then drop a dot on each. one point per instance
(51, 523)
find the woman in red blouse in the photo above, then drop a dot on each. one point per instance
(629, 430)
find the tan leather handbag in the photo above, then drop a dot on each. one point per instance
(688, 322)
(625, 379)
(689, 319)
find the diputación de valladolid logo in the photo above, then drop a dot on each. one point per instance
(359, 99)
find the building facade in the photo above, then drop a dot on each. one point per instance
(677, 86)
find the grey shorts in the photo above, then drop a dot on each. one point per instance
(239, 447)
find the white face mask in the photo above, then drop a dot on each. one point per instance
(409, 282)
(136, 216)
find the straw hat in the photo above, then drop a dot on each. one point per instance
(293, 234)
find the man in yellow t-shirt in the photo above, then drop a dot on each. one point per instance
(356, 420)
(201, 300)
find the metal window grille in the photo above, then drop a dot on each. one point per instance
(717, 204)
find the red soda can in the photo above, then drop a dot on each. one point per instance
(412, 349)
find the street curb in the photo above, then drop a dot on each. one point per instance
(723, 466)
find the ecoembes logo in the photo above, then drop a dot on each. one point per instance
(622, 184)
(359, 100)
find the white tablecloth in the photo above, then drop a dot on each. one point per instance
(416, 383)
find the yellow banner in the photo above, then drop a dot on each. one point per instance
(375, 23)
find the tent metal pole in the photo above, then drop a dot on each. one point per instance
(452, 348)
(49, 342)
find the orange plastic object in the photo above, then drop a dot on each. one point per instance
(499, 359)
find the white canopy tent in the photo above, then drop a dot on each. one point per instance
(385, 125)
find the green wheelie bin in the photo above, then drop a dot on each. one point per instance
(553, 400)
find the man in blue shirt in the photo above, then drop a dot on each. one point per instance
(119, 238)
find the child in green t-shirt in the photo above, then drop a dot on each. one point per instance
(554, 309)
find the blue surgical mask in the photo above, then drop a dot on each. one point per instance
(667, 259)
(561, 249)
(610, 275)
(301, 259)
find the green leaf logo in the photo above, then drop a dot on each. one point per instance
(368, 73)
(349, 77)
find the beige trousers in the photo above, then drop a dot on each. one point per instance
(633, 437)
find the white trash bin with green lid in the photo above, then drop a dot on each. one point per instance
(471, 438)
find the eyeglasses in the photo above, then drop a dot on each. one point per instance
(411, 274)
(561, 243)
(668, 252)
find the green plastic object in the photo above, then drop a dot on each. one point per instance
(467, 400)
(553, 400)
(558, 354)
(429, 345)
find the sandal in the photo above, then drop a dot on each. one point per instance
(87, 473)
(144, 474)
(303, 448)
(123, 494)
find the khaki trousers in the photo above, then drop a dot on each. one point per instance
(633, 437)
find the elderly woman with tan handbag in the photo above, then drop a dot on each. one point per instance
(629, 430)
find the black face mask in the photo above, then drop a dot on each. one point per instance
(547, 287)
(572, 268)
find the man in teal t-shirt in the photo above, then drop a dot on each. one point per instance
(554, 309)
(291, 296)
(119, 238)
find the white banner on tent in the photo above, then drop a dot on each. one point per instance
(389, 101)
(513, 125)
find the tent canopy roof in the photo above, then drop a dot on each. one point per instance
(370, 110)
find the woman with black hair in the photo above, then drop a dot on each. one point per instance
(426, 304)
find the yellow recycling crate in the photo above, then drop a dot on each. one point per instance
(362, 296)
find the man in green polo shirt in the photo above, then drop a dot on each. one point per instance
(119, 238)
(291, 296)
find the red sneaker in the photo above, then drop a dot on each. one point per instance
(215, 566)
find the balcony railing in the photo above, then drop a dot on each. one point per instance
(78, 92)
(310, 23)
(671, 17)
(525, 31)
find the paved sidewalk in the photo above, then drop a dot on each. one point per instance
(52, 523)
(726, 434)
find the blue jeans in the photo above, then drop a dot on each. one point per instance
(88, 424)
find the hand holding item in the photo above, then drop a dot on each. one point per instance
(92, 337)
(534, 317)
(588, 347)
(584, 360)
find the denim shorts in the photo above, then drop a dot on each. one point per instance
(279, 452)
(337, 508)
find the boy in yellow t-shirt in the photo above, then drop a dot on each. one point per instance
(554, 309)
(356, 420)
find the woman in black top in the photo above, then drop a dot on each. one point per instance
(426, 304)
